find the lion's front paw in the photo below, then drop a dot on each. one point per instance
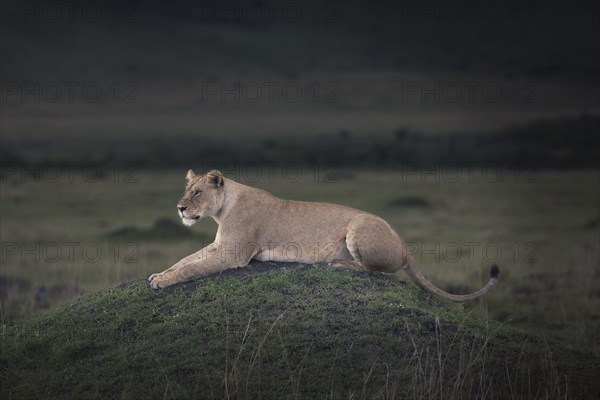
(158, 281)
(151, 277)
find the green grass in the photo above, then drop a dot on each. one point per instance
(287, 332)
(554, 291)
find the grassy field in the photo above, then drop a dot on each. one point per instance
(68, 236)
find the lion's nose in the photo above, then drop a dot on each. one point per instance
(181, 208)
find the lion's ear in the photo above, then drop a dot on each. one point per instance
(215, 178)
(190, 175)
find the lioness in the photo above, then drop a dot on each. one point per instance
(253, 224)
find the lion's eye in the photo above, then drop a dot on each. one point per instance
(197, 192)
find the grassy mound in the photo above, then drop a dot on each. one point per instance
(281, 331)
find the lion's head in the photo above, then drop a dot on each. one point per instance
(203, 196)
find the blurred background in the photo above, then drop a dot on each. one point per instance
(472, 127)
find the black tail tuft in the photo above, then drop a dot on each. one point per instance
(494, 272)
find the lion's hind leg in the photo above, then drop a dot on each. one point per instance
(374, 245)
(347, 264)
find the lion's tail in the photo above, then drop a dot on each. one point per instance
(411, 269)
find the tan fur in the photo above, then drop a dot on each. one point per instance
(253, 224)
